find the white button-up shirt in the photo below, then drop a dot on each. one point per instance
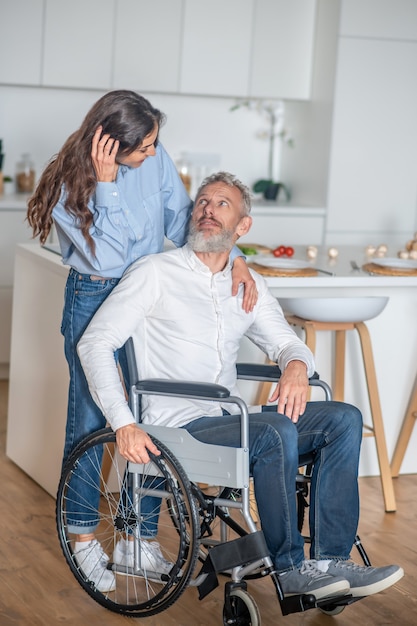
(185, 325)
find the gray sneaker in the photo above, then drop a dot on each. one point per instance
(308, 579)
(364, 581)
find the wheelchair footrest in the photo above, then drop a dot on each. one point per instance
(331, 603)
(226, 556)
(296, 604)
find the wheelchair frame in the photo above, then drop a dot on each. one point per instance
(185, 512)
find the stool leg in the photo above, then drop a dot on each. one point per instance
(310, 337)
(339, 378)
(381, 447)
(405, 433)
(310, 341)
(264, 390)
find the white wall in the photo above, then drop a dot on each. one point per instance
(38, 120)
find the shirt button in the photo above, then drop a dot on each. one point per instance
(114, 193)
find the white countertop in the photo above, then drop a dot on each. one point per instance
(344, 282)
(15, 201)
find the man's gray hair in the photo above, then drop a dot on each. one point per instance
(232, 181)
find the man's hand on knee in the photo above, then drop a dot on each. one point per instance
(291, 391)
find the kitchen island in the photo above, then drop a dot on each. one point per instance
(39, 376)
(13, 230)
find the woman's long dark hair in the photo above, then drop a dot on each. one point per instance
(124, 115)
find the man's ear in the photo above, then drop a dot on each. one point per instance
(244, 226)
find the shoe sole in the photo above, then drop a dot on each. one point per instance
(124, 570)
(368, 590)
(108, 590)
(339, 588)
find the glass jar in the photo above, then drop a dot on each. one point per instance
(25, 175)
(183, 168)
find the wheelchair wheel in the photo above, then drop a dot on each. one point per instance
(332, 609)
(241, 609)
(130, 501)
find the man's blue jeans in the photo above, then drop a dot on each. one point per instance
(332, 433)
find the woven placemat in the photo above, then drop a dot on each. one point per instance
(375, 268)
(278, 271)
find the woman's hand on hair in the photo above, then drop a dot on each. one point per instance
(103, 155)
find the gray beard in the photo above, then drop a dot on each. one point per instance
(220, 242)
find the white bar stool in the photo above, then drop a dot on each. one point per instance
(310, 327)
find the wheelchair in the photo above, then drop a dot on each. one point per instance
(196, 499)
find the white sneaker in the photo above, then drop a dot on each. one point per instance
(153, 564)
(92, 561)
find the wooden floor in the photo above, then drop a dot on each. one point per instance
(37, 588)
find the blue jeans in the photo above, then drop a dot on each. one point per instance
(83, 296)
(332, 433)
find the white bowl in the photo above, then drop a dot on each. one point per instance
(335, 309)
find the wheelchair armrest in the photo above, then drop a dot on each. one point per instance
(260, 371)
(257, 371)
(162, 386)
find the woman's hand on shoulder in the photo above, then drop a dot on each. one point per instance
(103, 155)
(241, 274)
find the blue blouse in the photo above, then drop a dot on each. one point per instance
(131, 218)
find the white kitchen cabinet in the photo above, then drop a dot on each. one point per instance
(391, 19)
(13, 230)
(147, 45)
(372, 186)
(21, 41)
(78, 43)
(274, 225)
(216, 47)
(38, 384)
(238, 48)
(258, 48)
(282, 49)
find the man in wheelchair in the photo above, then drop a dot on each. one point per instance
(185, 324)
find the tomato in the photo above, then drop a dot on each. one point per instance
(283, 251)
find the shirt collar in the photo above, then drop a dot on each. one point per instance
(195, 263)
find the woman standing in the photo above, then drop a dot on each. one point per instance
(110, 204)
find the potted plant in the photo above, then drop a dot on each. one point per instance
(273, 112)
(8, 185)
